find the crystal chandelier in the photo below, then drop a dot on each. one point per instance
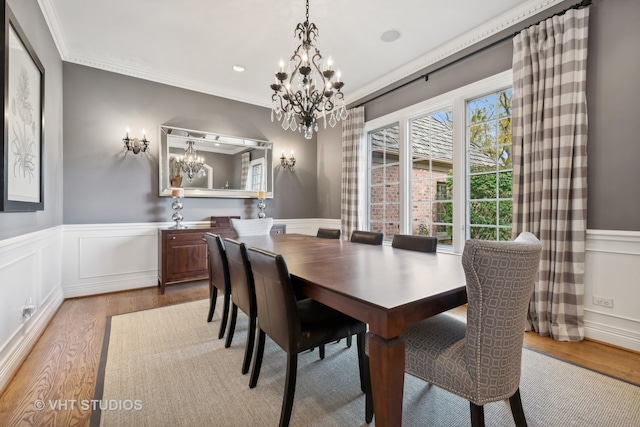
(191, 164)
(310, 89)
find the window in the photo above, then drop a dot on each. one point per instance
(256, 175)
(443, 167)
(490, 170)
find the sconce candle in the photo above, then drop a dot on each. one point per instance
(289, 163)
(261, 194)
(134, 144)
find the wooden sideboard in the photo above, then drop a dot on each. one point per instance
(183, 254)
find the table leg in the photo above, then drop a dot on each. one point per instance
(386, 361)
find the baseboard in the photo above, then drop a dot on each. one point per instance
(16, 351)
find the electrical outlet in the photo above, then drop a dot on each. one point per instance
(28, 309)
(604, 302)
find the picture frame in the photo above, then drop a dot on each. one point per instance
(22, 172)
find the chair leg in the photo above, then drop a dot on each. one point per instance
(368, 411)
(225, 314)
(360, 345)
(516, 409)
(212, 306)
(257, 359)
(349, 341)
(251, 337)
(232, 325)
(321, 351)
(477, 415)
(289, 389)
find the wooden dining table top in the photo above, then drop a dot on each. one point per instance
(375, 276)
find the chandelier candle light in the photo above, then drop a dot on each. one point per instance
(191, 164)
(177, 194)
(310, 89)
(261, 204)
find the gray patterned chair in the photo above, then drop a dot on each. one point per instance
(480, 360)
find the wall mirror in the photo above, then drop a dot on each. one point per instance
(207, 164)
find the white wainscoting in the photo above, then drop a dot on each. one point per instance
(102, 258)
(30, 268)
(612, 270)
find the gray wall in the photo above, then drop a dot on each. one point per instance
(30, 18)
(612, 96)
(101, 185)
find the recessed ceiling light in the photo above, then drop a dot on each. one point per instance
(390, 36)
(238, 68)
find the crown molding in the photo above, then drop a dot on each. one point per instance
(456, 45)
(480, 33)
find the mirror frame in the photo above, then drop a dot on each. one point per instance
(195, 135)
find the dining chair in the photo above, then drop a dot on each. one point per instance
(415, 242)
(480, 360)
(243, 295)
(329, 233)
(218, 278)
(294, 325)
(252, 227)
(368, 237)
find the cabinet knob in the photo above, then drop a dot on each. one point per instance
(204, 240)
(173, 237)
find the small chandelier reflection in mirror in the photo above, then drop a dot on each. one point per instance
(310, 89)
(191, 164)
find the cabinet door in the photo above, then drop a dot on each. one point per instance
(186, 257)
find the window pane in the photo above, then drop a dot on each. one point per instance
(484, 213)
(504, 234)
(506, 212)
(484, 233)
(482, 186)
(505, 185)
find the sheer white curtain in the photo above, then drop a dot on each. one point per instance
(550, 165)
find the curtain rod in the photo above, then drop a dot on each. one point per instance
(425, 77)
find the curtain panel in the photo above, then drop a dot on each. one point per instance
(246, 159)
(352, 142)
(550, 166)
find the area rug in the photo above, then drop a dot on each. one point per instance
(166, 367)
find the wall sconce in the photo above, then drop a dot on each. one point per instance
(134, 144)
(287, 163)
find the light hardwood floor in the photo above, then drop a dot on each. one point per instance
(63, 365)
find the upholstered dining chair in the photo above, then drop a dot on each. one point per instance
(243, 295)
(218, 278)
(368, 237)
(415, 242)
(329, 233)
(480, 360)
(252, 227)
(294, 325)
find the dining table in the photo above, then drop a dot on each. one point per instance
(387, 288)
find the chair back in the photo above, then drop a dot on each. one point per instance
(277, 310)
(368, 237)
(415, 243)
(218, 265)
(252, 227)
(243, 292)
(500, 281)
(329, 233)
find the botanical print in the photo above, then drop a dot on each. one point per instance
(23, 142)
(24, 127)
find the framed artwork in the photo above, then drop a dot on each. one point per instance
(22, 148)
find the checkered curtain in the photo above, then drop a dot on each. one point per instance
(246, 159)
(550, 166)
(352, 142)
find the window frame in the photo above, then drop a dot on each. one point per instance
(457, 101)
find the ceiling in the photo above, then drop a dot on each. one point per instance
(194, 44)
